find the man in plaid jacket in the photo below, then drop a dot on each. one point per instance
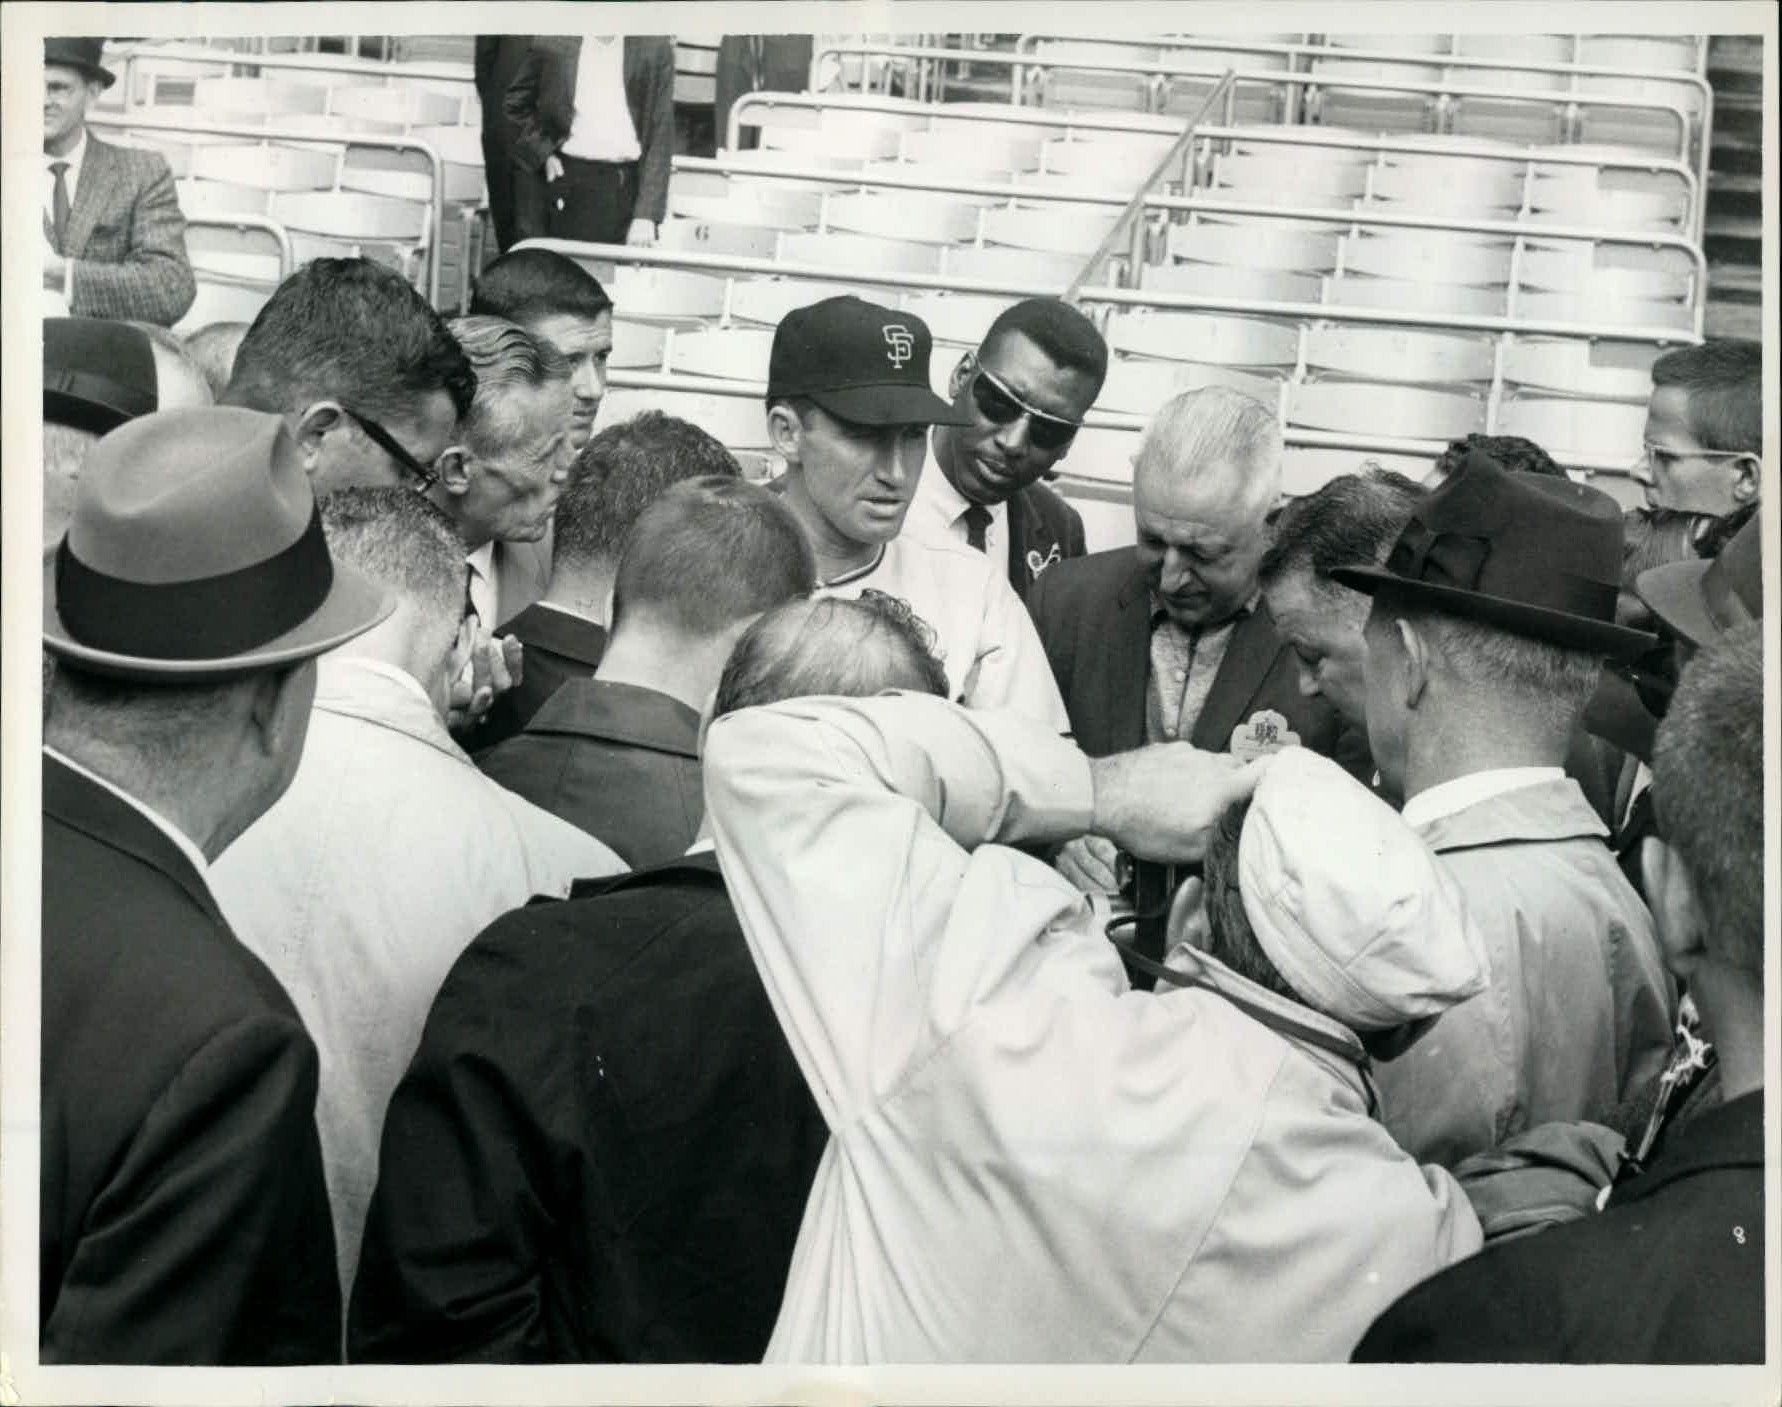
(116, 240)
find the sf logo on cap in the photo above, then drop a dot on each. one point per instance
(901, 343)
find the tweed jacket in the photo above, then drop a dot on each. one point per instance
(126, 238)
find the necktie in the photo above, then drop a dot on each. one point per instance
(977, 523)
(59, 204)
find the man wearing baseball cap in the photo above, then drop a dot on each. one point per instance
(848, 408)
(114, 237)
(1491, 619)
(183, 1217)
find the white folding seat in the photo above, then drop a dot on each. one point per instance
(636, 344)
(235, 252)
(1425, 256)
(1599, 273)
(1219, 281)
(1207, 338)
(1595, 432)
(406, 174)
(461, 151)
(273, 168)
(1255, 244)
(984, 148)
(1102, 453)
(736, 422)
(862, 144)
(343, 224)
(958, 319)
(853, 251)
(695, 70)
(1601, 309)
(1375, 408)
(220, 198)
(1053, 229)
(1520, 48)
(222, 300)
(751, 203)
(1107, 521)
(718, 237)
(1313, 183)
(1087, 88)
(1509, 119)
(218, 99)
(1376, 70)
(726, 353)
(1406, 42)
(1106, 163)
(846, 121)
(1307, 468)
(926, 182)
(1481, 189)
(404, 103)
(1140, 386)
(664, 295)
(1597, 369)
(1681, 52)
(902, 215)
(764, 301)
(1398, 354)
(1360, 291)
(1566, 203)
(1028, 268)
(176, 149)
(811, 157)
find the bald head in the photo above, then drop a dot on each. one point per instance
(829, 646)
(1206, 475)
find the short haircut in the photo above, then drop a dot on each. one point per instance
(1511, 452)
(1216, 426)
(402, 541)
(353, 331)
(709, 553)
(1707, 790)
(1230, 938)
(524, 285)
(213, 348)
(831, 646)
(1067, 338)
(1353, 518)
(503, 355)
(620, 472)
(171, 727)
(1723, 380)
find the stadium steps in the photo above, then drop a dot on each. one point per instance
(1733, 233)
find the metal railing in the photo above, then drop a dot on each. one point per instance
(309, 138)
(127, 55)
(287, 259)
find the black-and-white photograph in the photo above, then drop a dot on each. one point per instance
(861, 699)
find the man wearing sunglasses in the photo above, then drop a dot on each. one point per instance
(849, 407)
(1023, 394)
(1704, 428)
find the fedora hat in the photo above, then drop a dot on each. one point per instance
(82, 54)
(97, 374)
(1532, 554)
(196, 553)
(1701, 601)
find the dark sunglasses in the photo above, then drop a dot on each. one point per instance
(1653, 676)
(1001, 406)
(424, 477)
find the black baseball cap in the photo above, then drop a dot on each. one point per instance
(96, 373)
(860, 362)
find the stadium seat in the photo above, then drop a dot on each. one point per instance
(762, 302)
(1205, 338)
(225, 99)
(403, 103)
(725, 353)
(1028, 268)
(903, 215)
(1607, 370)
(1139, 386)
(271, 167)
(1307, 468)
(197, 197)
(1398, 354)
(737, 422)
(853, 251)
(1218, 281)
(665, 295)
(1347, 290)
(1375, 408)
(718, 237)
(636, 345)
(956, 319)
(1255, 244)
(339, 224)
(1602, 432)
(1028, 227)
(1426, 256)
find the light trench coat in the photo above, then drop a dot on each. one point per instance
(1028, 1161)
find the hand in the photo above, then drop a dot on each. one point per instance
(553, 168)
(494, 667)
(642, 233)
(1089, 862)
(1158, 802)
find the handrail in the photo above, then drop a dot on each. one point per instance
(1276, 78)
(1000, 114)
(1129, 224)
(697, 262)
(435, 202)
(308, 63)
(287, 257)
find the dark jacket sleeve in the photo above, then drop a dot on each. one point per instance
(1051, 620)
(649, 89)
(211, 1243)
(152, 281)
(534, 138)
(452, 1268)
(486, 52)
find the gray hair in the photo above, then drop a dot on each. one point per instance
(502, 354)
(403, 542)
(1556, 681)
(1216, 428)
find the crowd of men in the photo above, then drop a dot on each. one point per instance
(515, 889)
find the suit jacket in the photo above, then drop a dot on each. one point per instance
(126, 238)
(1671, 1271)
(558, 647)
(497, 59)
(619, 761)
(1043, 531)
(540, 103)
(183, 1217)
(614, 1171)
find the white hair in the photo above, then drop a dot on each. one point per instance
(1216, 430)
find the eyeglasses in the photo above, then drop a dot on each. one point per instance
(424, 477)
(1001, 406)
(1651, 453)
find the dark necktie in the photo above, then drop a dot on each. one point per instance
(977, 523)
(59, 205)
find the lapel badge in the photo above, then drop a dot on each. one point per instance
(1037, 564)
(1267, 732)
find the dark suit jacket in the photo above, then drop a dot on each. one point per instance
(1043, 531)
(184, 1217)
(615, 1170)
(619, 761)
(558, 647)
(497, 60)
(127, 238)
(540, 103)
(1671, 1271)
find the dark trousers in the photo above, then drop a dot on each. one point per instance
(591, 201)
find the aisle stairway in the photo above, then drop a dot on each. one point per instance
(1733, 239)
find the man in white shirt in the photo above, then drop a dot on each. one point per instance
(1491, 618)
(391, 850)
(1023, 394)
(848, 409)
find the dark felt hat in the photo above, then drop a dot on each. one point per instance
(1532, 554)
(1701, 601)
(96, 373)
(83, 54)
(196, 552)
(860, 362)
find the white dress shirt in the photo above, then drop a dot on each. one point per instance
(71, 176)
(602, 129)
(939, 509)
(187, 846)
(481, 583)
(1455, 795)
(364, 883)
(983, 634)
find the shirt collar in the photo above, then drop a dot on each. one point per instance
(375, 691)
(482, 561)
(1160, 615)
(74, 159)
(1448, 798)
(187, 846)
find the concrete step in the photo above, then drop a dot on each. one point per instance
(1737, 195)
(1735, 157)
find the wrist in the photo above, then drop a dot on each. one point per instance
(1105, 794)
